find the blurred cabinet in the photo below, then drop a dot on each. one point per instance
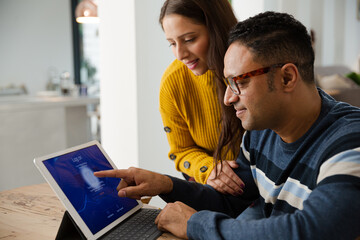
(34, 126)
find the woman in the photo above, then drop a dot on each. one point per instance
(192, 90)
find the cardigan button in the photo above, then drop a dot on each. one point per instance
(167, 129)
(172, 156)
(186, 164)
(203, 169)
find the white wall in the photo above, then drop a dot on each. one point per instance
(351, 43)
(34, 36)
(134, 55)
(118, 96)
(245, 8)
(153, 55)
(335, 23)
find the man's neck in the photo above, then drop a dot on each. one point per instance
(305, 110)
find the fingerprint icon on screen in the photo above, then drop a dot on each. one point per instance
(89, 178)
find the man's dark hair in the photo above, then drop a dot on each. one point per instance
(277, 38)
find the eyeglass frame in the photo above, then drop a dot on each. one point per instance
(233, 80)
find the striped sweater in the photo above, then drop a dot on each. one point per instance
(191, 115)
(309, 189)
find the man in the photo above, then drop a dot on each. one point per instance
(300, 156)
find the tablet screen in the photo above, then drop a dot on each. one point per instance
(95, 199)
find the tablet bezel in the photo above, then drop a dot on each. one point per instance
(38, 161)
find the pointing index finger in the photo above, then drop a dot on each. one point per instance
(115, 173)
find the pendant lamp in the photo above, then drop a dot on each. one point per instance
(86, 12)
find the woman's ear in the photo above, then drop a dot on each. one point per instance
(290, 76)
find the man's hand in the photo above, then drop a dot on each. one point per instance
(138, 182)
(226, 182)
(173, 218)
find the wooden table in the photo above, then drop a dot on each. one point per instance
(33, 213)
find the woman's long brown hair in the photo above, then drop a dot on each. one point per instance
(219, 18)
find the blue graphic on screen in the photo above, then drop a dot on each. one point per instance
(95, 199)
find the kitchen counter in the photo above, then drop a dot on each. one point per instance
(14, 103)
(35, 126)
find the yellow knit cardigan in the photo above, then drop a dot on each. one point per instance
(190, 112)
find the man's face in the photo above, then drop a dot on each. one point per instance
(256, 106)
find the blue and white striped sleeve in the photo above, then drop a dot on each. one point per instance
(346, 163)
(331, 211)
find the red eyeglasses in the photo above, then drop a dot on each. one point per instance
(232, 82)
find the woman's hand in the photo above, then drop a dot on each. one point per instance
(226, 181)
(137, 182)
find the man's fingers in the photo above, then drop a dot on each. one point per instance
(122, 184)
(122, 193)
(135, 192)
(158, 217)
(130, 194)
(114, 173)
(124, 174)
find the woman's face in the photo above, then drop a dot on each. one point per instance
(189, 41)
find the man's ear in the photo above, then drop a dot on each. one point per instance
(290, 76)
